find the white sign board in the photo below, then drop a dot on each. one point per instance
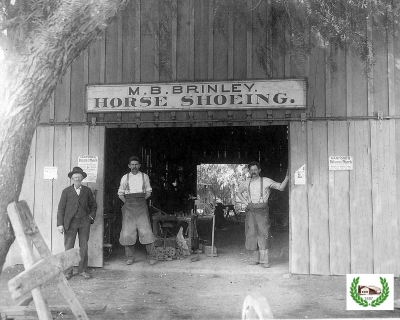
(90, 165)
(271, 94)
(341, 163)
(300, 176)
(50, 173)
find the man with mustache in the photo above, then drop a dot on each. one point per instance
(133, 191)
(254, 193)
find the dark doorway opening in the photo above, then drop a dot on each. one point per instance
(170, 157)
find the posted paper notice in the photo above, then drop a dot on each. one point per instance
(50, 173)
(90, 165)
(300, 176)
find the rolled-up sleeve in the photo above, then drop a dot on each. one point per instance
(275, 185)
(122, 186)
(147, 183)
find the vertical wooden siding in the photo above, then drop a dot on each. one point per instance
(339, 216)
(60, 147)
(351, 222)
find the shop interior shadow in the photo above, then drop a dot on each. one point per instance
(170, 157)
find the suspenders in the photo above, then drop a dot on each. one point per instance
(127, 190)
(261, 191)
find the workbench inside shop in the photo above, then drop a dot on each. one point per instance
(166, 227)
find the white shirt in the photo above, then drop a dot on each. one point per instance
(78, 190)
(255, 191)
(135, 183)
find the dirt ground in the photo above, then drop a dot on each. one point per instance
(212, 288)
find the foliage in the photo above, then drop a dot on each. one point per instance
(300, 25)
(222, 179)
(293, 26)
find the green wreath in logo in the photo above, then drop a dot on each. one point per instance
(383, 296)
(362, 302)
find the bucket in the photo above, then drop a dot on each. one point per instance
(207, 251)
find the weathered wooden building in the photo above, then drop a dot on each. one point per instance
(341, 222)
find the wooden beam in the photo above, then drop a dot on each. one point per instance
(41, 272)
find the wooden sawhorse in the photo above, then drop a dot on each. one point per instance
(28, 282)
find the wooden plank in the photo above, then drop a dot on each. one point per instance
(396, 72)
(259, 38)
(96, 148)
(397, 132)
(41, 272)
(201, 43)
(62, 98)
(103, 58)
(77, 91)
(28, 258)
(359, 86)
(328, 85)
(230, 46)
(211, 40)
(62, 160)
(138, 40)
(129, 45)
(191, 39)
(391, 74)
(318, 198)
(349, 82)
(249, 44)
(316, 83)
(239, 49)
(174, 35)
(147, 43)
(119, 49)
(110, 59)
(361, 240)
(94, 61)
(299, 242)
(43, 205)
(385, 231)
(380, 71)
(338, 84)
(370, 79)
(221, 49)
(339, 201)
(156, 31)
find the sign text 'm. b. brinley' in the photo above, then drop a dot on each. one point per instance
(212, 95)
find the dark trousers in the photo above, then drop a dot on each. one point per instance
(80, 226)
(130, 251)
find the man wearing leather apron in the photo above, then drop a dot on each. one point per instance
(254, 193)
(134, 189)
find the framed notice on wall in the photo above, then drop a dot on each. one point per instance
(245, 94)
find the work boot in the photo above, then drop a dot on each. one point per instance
(264, 258)
(255, 259)
(152, 260)
(130, 261)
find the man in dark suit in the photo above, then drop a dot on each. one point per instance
(76, 211)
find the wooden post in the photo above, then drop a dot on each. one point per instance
(27, 232)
